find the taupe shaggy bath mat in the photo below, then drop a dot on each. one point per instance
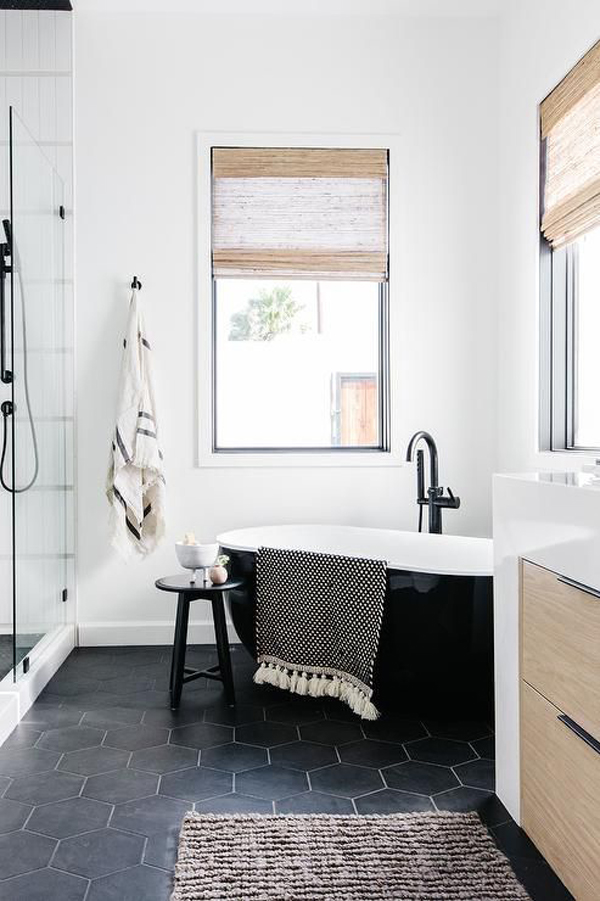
(404, 857)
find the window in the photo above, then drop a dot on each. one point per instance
(570, 261)
(300, 300)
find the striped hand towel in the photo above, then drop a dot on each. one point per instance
(136, 484)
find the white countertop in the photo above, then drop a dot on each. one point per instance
(452, 555)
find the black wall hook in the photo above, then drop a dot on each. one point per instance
(136, 283)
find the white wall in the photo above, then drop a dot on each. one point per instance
(540, 41)
(144, 85)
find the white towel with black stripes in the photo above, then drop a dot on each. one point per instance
(136, 483)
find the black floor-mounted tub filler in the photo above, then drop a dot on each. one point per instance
(436, 646)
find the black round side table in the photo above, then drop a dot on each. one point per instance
(193, 591)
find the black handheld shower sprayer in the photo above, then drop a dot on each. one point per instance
(9, 265)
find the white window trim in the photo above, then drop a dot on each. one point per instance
(206, 456)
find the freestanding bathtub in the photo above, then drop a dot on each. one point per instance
(436, 646)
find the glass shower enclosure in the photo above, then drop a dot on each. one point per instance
(35, 421)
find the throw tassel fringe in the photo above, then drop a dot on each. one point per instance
(317, 686)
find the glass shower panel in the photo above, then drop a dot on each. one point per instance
(40, 420)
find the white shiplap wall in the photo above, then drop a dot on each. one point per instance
(36, 55)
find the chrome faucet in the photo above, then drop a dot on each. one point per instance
(434, 499)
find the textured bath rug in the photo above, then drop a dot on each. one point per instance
(402, 857)
(318, 619)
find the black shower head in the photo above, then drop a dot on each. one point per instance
(7, 230)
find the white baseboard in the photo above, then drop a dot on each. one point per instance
(17, 697)
(143, 632)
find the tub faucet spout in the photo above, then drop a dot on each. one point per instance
(434, 499)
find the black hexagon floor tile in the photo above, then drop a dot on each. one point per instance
(99, 853)
(13, 814)
(331, 732)
(44, 788)
(477, 774)
(422, 778)
(389, 801)
(94, 760)
(235, 803)
(120, 686)
(143, 700)
(131, 885)
(271, 783)
(304, 755)
(62, 819)
(485, 747)
(111, 717)
(266, 735)
(233, 716)
(461, 730)
(24, 736)
(120, 785)
(45, 884)
(104, 670)
(315, 802)
(64, 684)
(97, 700)
(296, 713)
(376, 754)
(21, 852)
(17, 762)
(161, 849)
(47, 716)
(491, 809)
(187, 715)
(394, 729)
(464, 799)
(132, 738)
(202, 735)
(148, 816)
(234, 757)
(346, 781)
(445, 752)
(71, 738)
(196, 784)
(164, 759)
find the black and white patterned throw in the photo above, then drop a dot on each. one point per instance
(318, 621)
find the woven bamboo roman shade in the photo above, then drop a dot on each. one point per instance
(300, 213)
(570, 123)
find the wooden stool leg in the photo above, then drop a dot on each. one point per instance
(179, 648)
(223, 647)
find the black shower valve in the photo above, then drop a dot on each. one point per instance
(7, 408)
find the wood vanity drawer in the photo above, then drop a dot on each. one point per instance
(560, 644)
(560, 795)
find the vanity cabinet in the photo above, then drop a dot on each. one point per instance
(560, 725)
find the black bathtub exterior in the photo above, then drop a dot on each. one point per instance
(436, 651)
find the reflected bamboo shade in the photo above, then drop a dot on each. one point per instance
(300, 213)
(570, 128)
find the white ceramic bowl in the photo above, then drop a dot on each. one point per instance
(196, 556)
